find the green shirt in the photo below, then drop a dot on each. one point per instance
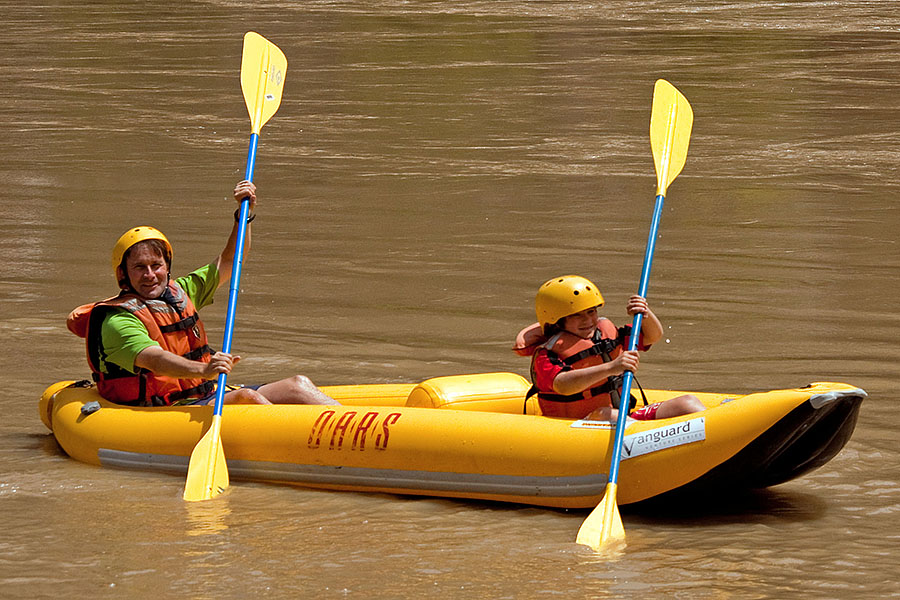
(124, 336)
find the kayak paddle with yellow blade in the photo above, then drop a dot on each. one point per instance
(670, 131)
(263, 67)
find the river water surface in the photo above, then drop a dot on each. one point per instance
(431, 164)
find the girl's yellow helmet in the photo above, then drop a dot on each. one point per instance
(564, 296)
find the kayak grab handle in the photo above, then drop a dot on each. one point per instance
(820, 400)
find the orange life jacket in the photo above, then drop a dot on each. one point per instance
(172, 321)
(574, 352)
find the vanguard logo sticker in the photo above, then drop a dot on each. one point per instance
(670, 436)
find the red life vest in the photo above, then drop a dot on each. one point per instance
(573, 352)
(172, 321)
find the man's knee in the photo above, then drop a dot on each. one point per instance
(302, 383)
(306, 392)
(297, 389)
(245, 396)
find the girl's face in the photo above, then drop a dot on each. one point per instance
(583, 324)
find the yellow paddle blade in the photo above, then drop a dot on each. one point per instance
(670, 131)
(207, 475)
(603, 528)
(263, 66)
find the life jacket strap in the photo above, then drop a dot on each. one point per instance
(199, 391)
(181, 325)
(606, 388)
(198, 352)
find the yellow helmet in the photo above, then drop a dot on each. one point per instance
(132, 237)
(564, 296)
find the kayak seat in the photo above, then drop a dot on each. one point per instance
(487, 392)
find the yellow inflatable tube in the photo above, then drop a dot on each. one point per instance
(470, 436)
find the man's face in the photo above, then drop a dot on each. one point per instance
(147, 272)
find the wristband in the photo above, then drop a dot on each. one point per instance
(237, 213)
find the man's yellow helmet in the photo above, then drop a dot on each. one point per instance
(132, 237)
(564, 296)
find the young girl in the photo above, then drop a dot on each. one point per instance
(578, 358)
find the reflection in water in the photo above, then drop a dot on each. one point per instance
(758, 506)
(209, 517)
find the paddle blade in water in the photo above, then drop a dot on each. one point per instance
(670, 132)
(207, 472)
(263, 67)
(603, 528)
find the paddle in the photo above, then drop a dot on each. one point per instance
(263, 67)
(670, 131)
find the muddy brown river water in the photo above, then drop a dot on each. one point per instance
(431, 164)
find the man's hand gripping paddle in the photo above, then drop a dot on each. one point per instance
(263, 67)
(670, 131)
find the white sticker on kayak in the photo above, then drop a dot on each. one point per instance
(661, 438)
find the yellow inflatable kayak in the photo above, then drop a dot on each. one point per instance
(471, 436)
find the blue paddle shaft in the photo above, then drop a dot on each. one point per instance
(236, 274)
(625, 400)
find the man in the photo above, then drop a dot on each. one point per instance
(147, 346)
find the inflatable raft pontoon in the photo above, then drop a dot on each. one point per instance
(471, 436)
